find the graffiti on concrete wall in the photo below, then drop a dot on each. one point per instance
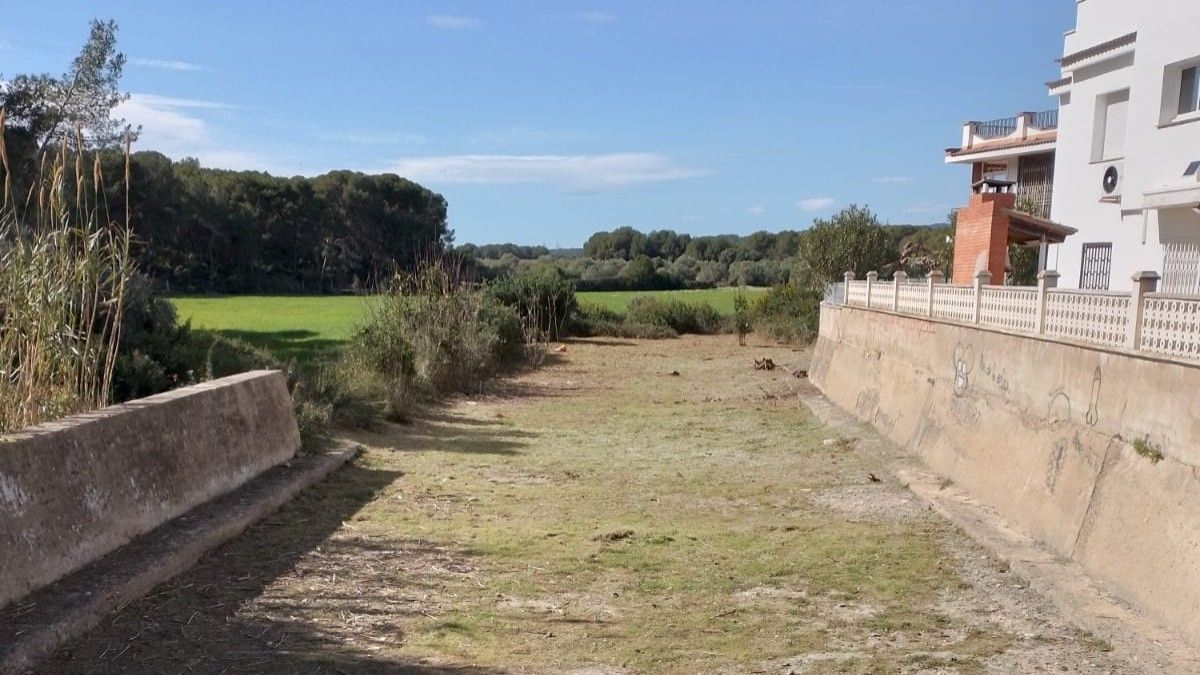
(1093, 412)
(963, 363)
(1059, 409)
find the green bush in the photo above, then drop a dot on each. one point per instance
(788, 313)
(430, 336)
(678, 315)
(543, 298)
(155, 352)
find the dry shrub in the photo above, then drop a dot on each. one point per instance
(64, 268)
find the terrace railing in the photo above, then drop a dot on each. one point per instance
(1047, 119)
(996, 128)
(1145, 320)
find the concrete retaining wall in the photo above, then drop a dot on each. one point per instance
(1048, 433)
(73, 490)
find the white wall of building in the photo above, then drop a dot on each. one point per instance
(1157, 148)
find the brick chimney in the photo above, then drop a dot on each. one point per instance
(981, 236)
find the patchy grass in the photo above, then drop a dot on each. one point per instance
(598, 515)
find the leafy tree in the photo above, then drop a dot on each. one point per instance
(49, 108)
(851, 240)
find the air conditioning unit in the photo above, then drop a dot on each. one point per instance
(1112, 182)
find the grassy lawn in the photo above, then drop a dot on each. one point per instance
(294, 327)
(720, 298)
(305, 327)
(630, 507)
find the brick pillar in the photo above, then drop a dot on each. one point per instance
(847, 277)
(981, 236)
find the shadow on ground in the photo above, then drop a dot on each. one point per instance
(246, 607)
(440, 430)
(299, 346)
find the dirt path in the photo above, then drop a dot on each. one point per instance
(630, 507)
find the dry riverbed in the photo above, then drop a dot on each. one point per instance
(630, 507)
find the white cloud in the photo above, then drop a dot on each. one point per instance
(451, 22)
(5, 45)
(813, 204)
(575, 171)
(596, 18)
(892, 179)
(755, 209)
(379, 138)
(164, 64)
(177, 128)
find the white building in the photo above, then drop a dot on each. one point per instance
(1126, 163)
(1129, 110)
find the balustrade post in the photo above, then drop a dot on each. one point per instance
(848, 277)
(982, 278)
(935, 277)
(1143, 282)
(898, 279)
(872, 277)
(1047, 279)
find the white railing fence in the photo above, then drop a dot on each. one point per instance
(1144, 319)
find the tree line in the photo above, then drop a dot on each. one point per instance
(209, 230)
(627, 259)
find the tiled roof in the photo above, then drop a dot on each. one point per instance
(1055, 84)
(1096, 50)
(1005, 144)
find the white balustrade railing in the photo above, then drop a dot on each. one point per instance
(1171, 325)
(1159, 323)
(912, 298)
(1088, 316)
(1010, 307)
(954, 302)
(883, 295)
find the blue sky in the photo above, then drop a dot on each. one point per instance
(542, 122)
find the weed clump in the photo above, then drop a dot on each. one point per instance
(1150, 451)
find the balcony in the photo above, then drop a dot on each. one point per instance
(1021, 134)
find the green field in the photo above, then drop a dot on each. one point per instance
(720, 298)
(296, 327)
(301, 327)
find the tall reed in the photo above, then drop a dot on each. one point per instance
(64, 269)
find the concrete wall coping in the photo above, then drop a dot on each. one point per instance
(93, 416)
(1049, 339)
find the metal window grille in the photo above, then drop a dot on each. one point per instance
(1181, 267)
(1096, 268)
(1035, 182)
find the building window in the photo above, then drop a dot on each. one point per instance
(1108, 131)
(1189, 90)
(1096, 268)
(1181, 92)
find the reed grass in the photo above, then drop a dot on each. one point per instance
(64, 269)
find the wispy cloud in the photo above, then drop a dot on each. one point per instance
(165, 64)
(5, 45)
(453, 22)
(814, 204)
(892, 179)
(178, 128)
(756, 209)
(572, 171)
(379, 138)
(596, 17)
